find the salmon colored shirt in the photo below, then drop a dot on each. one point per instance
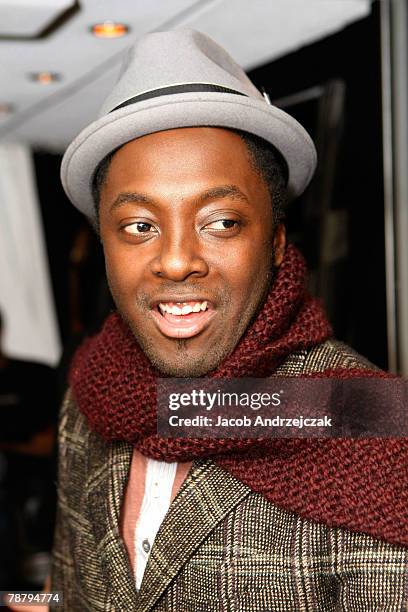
(133, 498)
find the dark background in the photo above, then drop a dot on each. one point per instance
(357, 305)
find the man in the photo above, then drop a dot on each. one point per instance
(185, 176)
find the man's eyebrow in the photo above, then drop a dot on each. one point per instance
(125, 197)
(223, 191)
(214, 193)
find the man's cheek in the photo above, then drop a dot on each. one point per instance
(117, 270)
(118, 285)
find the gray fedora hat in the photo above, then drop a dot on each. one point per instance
(175, 79)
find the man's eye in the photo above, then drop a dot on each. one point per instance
(139, 228)
(222, 224)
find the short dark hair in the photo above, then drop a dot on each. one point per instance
(272, 168)
(265, 158)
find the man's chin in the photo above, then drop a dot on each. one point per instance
(182, 361)
(183, 357)
(181, 371)
(181, 366)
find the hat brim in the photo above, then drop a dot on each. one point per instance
(213, 109)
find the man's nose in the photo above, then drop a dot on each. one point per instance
(180, 255)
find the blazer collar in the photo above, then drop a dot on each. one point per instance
(205, 497)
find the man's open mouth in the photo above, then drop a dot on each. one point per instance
(182, 319)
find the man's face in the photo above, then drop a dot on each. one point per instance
(187, 229)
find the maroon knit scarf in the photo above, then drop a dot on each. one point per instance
(358, 484)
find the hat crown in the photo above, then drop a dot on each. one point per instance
(176, 57)
(181, 79)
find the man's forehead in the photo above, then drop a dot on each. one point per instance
(187, 166)
(182, 152)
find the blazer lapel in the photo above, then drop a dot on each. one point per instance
(108, 465)
(206, 496)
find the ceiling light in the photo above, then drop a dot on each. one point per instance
(109, 29)
(44, 77)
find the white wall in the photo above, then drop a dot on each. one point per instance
(25, 293)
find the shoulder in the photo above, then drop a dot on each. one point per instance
(75, 442)
(330, 354)
(72, 425)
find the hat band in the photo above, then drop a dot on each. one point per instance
(176, 89)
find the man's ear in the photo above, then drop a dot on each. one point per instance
(279, 244)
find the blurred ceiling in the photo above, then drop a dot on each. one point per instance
(54, 36)
(30, 18)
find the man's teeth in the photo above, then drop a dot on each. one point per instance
(184, 308)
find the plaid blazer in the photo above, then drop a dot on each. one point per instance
(221, 547)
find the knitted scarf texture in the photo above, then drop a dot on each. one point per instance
(359, 484)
